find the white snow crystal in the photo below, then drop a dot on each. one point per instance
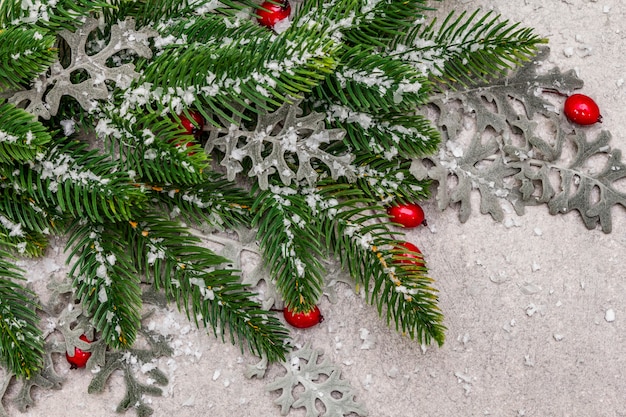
(609, 315)
(150, 154)
(367, 381)
(69, 126)
(101, 272)
(368, 339)
(535, 266)
(21, 247)
(208, 7)
(111, 259)
(102, 295)
(282, 25)
(15, 229)
(149, 137)
(5, 137)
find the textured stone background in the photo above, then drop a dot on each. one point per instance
(525, 305)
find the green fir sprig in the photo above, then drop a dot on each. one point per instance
(21, 342)
(109, 165)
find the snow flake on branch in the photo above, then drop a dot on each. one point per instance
(15, 229)
(61, 167)
(105, 261)
(7, 137)
(44, 98)
(35, 11)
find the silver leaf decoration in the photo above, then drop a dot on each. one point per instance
(277, 139)
(44, 98)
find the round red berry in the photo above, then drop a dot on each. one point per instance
(192, 127)
(407, 215)
(581, 109)
(270, 13)
(303, 320)
(80, 358)
(410, 255)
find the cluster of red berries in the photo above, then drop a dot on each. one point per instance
(408, 215)
(405, 215)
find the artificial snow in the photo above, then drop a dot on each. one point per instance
(69, 127)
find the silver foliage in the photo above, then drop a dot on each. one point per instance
(509, 142)
(44, 98)
(321, 381)
(277, 139)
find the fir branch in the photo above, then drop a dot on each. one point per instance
(391, 134)
(357, 232)
(368, 82)
(21, 344)
(216, 201)
(213, 29)
(22, 137)
(153, 148)
(235, 68)
(389, 180)
(25, 53)
(467, 50)
(151, 12)
(32, 217)
(327, 18)
(22, 242)
(106, 281)
(53, 15)
(288, 238)
(380, 22)
(81, 183)
(202, 286)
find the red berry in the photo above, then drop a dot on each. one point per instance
(581, 109)
(271, 13)
(303, 320)
(80, 358)
(192, 127)
(407, 215)
(408, 257)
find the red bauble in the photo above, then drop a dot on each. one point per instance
(581, 109)
(407, 215)
(192, 127)
(303, 320)
(407, 257)
(80, 358)
(271, 13)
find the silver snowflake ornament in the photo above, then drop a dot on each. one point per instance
(284, 143)
(321, 381)
(45, 96)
